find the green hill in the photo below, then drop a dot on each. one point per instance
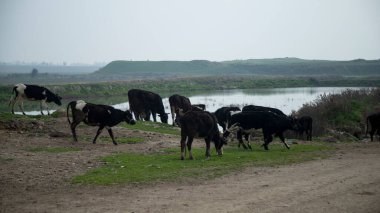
(280, 67)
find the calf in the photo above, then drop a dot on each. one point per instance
(178, 102)
(305, 125)
(374, 121)
(199, 124)
(143, 103)
(96, 115)
(222, 114)
(269, 122)
(33, 93)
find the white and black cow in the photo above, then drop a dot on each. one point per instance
(33, 93)
(222, 114)
(96, 115)
(201, 124)
(269, 122)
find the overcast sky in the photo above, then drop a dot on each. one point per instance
(91, 31)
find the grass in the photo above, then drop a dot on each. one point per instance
(166, 165)
(7, 159)
(7, 116)
(53, 149)
(153, 127)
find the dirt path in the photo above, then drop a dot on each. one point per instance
(349, 181)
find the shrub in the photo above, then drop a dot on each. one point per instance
(343, 112)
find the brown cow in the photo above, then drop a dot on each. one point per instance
(201, 124)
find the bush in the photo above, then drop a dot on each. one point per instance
(345, 112)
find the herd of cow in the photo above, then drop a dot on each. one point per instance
(193, 120)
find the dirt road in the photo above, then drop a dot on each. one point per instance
(348, 181)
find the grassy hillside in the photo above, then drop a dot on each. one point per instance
(278, 67)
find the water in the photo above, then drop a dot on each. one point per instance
(285, 99)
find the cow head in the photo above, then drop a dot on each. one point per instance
(233, 128)
(219, 142)
(294, 124)
(164, 117)
(57, 99)
(128, 118)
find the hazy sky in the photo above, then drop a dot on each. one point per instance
(104, 30)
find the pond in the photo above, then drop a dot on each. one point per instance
(285, 99)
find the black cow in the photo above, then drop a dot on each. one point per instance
(269, 122)
(96, 115)
(33, 93)
(143, 103)
(374, 121)
(305, 125)
(198, 107)
(254, 108)
(199, 124)
(177, 103)
(222, 114)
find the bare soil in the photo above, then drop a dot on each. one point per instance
(348, 181)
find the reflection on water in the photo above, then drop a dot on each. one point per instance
(285, 99)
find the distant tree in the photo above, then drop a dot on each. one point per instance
(34, 72)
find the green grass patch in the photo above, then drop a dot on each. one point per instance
(7, 116)
(53, 149)
(3, 159)
(153, 127)
(166, 165)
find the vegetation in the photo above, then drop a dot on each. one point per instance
(116, 92)
(345, 112)
(162, 70)
(279, 67)
(166, 164)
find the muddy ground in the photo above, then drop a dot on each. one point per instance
(347, 181)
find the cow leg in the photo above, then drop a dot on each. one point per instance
(154, 116)
(137, 116)
(47, 107)
(172, 110)
(73, 126)
(21, 105)
(12, 103)
(281, 136)
(308, 135)
(98, 133)
(371, 133)
(240, 139)
(42, 113)
(146, 115)
(246, 137)
(111, 134)
(267, 139)
(189, 143)
(208, 153)
(183, 147)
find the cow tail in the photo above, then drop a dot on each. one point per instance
(70, 105)
(366, 131)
